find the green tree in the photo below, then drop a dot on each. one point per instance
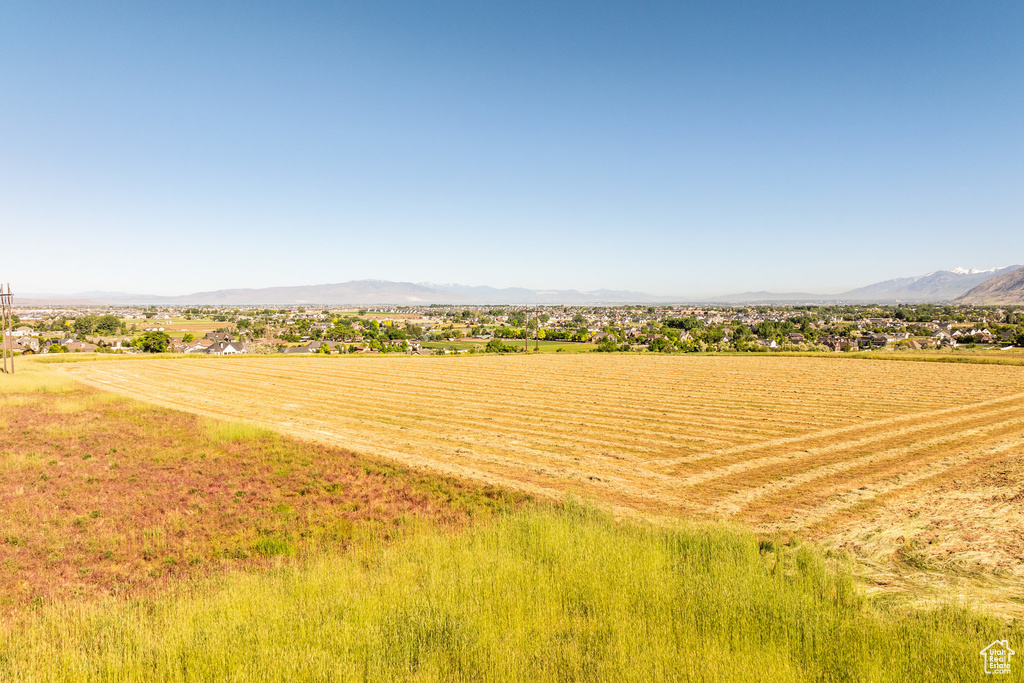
(498, 346)
(153, 342)
(660, 345)
(688, 323)
(741, 331)
(188, 337)
(108, 325)
(714, 335)
(85, 324)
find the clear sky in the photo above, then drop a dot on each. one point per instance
(672, 148)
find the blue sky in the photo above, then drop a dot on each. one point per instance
(672, 148)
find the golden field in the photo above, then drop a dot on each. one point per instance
(906, 464)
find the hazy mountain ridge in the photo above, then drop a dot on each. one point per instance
(941, 285)
(370, 292)
(764, 297)
(935, 287)
(1007, 288)
(938, 286)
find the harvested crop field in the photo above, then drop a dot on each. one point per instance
(788, 444)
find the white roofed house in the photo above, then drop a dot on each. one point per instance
(225, 348)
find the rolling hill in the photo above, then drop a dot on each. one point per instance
(1007, 288)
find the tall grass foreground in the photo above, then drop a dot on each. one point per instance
(541, 594)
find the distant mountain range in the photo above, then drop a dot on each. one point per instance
(763, 297)
(939, 286)
(942, 285)
(935, 287)
(370, 292)
(1007, 288)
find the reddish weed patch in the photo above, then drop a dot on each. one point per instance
(107, 495)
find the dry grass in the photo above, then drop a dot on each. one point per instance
(822, 446)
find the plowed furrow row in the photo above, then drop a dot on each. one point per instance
(861, 469)
(710, 418)
(836, 434)
(768, 467)
(863, 497)
(385, 422)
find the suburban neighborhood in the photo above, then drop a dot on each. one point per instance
(439, 329)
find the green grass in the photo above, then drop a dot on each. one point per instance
(542, 594)
(224, 431)
(30, 376)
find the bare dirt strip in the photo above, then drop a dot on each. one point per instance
(855, 450)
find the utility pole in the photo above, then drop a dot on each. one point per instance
(536, 335)
(6, 321)
(526, 330)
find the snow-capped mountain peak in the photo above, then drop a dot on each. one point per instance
(974, 271)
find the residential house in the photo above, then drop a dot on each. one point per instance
(311, 347)
(224, 348)
(837, 343)
(26, 344)
(197, 346)
(982, 336)
(872, 341)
